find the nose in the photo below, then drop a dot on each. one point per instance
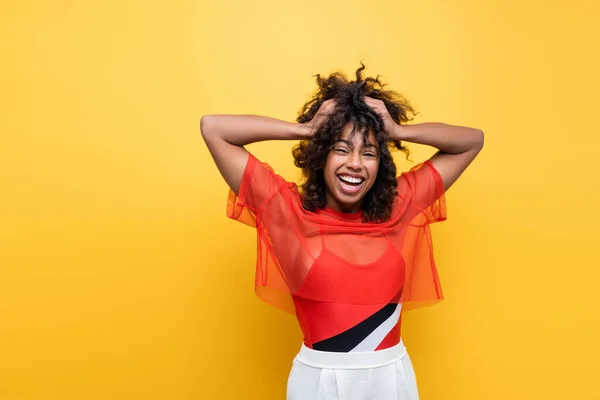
(354, 161)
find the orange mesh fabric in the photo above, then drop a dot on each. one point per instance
(291, 241)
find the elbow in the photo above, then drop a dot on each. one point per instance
(206, 124)
(203, 123)
(480, 139)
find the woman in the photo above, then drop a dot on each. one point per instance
(351, 248)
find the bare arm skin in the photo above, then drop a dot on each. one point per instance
(225, 136)
(458, 146)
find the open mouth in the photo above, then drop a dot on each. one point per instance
(350, 184)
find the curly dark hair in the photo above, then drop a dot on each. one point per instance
(311, 155)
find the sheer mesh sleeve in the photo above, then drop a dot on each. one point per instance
(259, 184)
(425, 189)
(253, 206)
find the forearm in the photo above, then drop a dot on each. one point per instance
(449, 139)
(241, 130)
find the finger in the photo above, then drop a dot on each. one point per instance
(372, 103)
(329, 104)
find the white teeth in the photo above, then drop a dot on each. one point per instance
(350, 179)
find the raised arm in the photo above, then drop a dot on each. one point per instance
(225, 136)
(458, 146)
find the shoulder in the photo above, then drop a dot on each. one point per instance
(422, 174)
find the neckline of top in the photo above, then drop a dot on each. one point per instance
(342, 215)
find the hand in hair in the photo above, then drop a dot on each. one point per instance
(389, 126)
(325, 111)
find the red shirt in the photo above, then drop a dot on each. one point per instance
(346, 280)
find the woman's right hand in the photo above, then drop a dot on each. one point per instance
(325, 111)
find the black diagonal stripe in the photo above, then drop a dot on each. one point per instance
(347, 340)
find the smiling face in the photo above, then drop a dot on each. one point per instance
(350, 170)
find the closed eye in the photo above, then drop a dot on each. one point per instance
(341, 150)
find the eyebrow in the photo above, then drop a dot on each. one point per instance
(351, 145)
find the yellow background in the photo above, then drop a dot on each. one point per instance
(120, 276)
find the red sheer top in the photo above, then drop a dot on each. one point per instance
(326, 257)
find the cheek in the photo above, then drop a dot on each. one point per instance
(331, 165)
(373, 170)
(328, 171)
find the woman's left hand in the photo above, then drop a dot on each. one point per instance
(390, 127)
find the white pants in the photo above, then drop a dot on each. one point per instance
(376, 375)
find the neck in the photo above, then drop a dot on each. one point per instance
(334, 205)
